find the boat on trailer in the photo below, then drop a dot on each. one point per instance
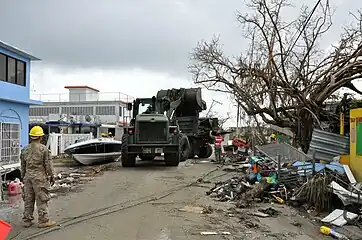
(95, 151)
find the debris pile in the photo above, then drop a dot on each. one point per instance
(69, 179)
(318, 187)
(230, 189)
(235, 151)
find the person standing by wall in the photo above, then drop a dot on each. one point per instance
(38, 175)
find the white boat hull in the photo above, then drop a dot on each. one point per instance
(96, 158)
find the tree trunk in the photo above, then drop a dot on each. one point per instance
(306, 125)
(256, 191)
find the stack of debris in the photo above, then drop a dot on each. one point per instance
(317, 186)
(235, 151)
(68, 180)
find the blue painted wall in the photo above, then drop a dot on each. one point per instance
(15, 101)
(13, 91)
(16, 113)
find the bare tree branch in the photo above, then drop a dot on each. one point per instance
(285, 76)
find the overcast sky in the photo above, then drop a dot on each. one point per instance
(135, 47)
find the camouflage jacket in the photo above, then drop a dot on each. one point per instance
(36, 161)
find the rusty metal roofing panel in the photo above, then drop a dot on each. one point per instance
(328, 145)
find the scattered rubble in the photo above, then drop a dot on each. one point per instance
(316, 187)
(69, 179)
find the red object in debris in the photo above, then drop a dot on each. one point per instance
(4, 229)
(240, 143)
(14, 188)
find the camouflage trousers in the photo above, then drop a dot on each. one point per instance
(36, 191)
(218, 154)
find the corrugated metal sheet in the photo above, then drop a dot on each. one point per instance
(286, 152)
(328, 145)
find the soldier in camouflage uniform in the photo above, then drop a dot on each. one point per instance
(38, 175)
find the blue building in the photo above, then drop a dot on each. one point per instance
(14, 102)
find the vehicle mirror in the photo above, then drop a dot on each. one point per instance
(129, 106)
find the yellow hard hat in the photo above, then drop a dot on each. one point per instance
(273, 135)
(109, 133)
(36, 131)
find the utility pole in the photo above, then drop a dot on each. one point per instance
(237, 120)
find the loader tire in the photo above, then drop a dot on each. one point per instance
(184, 148)
(128, 160)
(192, 154)
(208, 150)
(172, 159)
(204, 151)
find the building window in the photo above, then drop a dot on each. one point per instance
(10, 143)
(20, 73)
(12, 70)
(2, 67)
(79, 111)
(105, 110)
(43, 111)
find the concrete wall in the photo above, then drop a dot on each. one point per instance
(355, 162)
(16, 113)
(82, 94)
(105, 119)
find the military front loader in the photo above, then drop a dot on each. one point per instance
(150, 134)
(185, 105)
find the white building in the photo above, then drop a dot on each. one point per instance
(83, 104)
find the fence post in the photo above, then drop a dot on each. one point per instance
(53, 144)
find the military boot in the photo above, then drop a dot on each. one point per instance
(47, 224)
(28, 224)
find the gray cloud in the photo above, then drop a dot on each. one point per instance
(156, 35)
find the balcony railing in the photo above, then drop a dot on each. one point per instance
(81, 97)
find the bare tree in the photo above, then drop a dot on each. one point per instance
(221, 119)
(286, 75)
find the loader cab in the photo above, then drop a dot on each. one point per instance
(147, 124)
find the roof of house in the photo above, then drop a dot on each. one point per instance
(70, 87)
(17, 51)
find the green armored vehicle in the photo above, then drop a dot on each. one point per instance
(150, 134)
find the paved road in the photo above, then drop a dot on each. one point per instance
(145, 220)
(146, 204)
